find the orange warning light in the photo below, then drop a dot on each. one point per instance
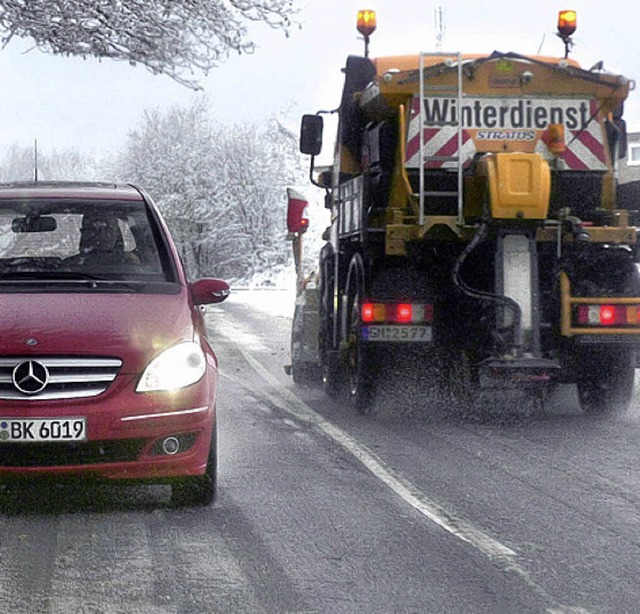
(567, 23)
(556, 144)
(366, 22)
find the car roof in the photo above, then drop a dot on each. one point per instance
(69, 189)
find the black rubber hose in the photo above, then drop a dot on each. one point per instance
(504, 301)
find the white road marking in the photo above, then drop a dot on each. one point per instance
(407, 491)
(497, 552)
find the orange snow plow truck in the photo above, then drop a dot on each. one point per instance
(474, 230)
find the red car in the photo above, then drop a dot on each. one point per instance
(105, 368)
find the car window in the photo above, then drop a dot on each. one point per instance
(110, 240)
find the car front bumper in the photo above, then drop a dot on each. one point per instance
(125, 433)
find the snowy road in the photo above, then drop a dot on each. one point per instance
(321, 510)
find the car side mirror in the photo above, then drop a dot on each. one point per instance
(208, 291)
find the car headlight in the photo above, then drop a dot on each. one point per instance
(178, 366)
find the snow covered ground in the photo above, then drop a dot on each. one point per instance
(272, 292)
(278, 302)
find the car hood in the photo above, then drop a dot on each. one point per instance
(132, 327)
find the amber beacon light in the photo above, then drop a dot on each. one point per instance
(556, 143)
(366, 27)
(567, 24)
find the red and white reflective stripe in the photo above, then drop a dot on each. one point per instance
(437, 142)
(585, 147)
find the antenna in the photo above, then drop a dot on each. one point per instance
(438, 18)
(35, 160)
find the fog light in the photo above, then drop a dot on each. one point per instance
(171, 446)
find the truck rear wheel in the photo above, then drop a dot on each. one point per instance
(304, 374)
(332, 376)
(605, 385)
(458, 383)
(331, 369)
(359, 363)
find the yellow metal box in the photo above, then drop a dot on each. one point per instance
(519, 185)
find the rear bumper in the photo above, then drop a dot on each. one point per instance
(518, 373)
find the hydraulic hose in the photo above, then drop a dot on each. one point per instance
(503, 301)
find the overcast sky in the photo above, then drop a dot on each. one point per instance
(91, 105)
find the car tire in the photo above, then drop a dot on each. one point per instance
(201, 490)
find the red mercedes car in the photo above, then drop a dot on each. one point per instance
(105, 368)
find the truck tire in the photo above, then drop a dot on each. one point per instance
(459, 384)
(331, 371)
(305, 374)
(360, 363)
(332, 376)
(605, 386)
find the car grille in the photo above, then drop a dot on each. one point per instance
(68, 377)
(68, 454)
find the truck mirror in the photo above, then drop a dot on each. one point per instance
(311, 135)
(297, 220)
(623, 143)
(616, 131)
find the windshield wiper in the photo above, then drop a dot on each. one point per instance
(48, 275)
(67, 278)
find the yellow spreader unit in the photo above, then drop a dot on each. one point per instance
(519, 185)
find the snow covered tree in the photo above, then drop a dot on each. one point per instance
(260, 162)
(221, 189)
(171, 156)
(173, 37)
(19, 164)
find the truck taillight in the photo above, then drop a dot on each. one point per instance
(397, 313)
(608, 315)
(373, 312)
(404, 313)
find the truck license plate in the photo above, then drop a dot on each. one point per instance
(42, 429)
(397, 333)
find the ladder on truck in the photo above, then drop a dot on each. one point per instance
(452, 89)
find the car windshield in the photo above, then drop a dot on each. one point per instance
(66, 241)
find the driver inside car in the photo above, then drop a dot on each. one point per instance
(101, 242)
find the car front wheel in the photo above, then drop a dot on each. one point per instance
(200, 490)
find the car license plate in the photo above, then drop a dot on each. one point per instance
(397, 333)
(43, 429)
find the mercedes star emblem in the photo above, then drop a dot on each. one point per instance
(30, 376)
